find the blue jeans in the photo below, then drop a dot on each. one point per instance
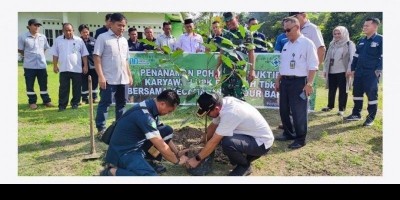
(30, 76)
(116, 91)
(242, 149)
(134, 164)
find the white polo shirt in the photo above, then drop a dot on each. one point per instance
(69, 53)
(312, 32)
(190, 43)
(164, 40)
(114, 53)
(239, 117)
(303, 52)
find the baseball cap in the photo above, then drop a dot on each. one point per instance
(228, 16)
(294, 13)
(34, 21)
(207, 102)
(188, 21)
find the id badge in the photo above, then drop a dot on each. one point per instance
(331, 61)
(292, 64)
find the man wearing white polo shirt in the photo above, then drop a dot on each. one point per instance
(239, 127)
(299, 62)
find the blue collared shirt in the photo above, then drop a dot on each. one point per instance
(34, 48)
(368, 56)
(133, 130)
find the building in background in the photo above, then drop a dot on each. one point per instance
(52, 23)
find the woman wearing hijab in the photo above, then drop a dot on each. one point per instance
(337, 69)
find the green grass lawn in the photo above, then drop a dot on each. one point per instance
(53, 144)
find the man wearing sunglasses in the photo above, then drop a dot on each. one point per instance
(243, 132)
(299, 62)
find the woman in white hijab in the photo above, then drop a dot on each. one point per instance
(337, 68)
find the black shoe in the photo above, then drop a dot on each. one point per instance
(368, 122)
(74, 106)
(283, 137)
(157, 166)
(60, 109)
(106, 172)
(353, 118)
(280, 126)
(241, 170)
(296, 145)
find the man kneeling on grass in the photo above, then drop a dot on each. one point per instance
(138, 135)
(243, 132)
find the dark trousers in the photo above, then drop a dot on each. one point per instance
(367, 83)
(290, 102)
(337, 81)
(63, 92)
(106, 96)
(166, 133)
(30, 76)
(85, 86)
(135, 164)
(242, 149)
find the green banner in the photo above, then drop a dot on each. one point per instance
(151, 77)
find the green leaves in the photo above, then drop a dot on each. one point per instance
(211, 46)
(177, 53)
(254, 28)
(145, 41)
(166, 49)
(242, 30)
(227, 61)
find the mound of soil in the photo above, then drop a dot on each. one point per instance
(189, 138)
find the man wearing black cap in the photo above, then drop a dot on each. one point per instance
(233, 86)
(243, 132)
(31, 46)
(190, 42)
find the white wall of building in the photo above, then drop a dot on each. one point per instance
(52, 22)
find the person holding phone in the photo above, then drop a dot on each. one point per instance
(299, 62)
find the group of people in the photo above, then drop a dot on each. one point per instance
(244, 134)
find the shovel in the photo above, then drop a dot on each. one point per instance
(93, 155)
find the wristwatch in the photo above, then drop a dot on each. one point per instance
(198, 158)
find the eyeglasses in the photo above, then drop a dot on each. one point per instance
(289, 29)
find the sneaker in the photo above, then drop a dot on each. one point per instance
(157, 166)
(241, 170)
(327, 109)
(368, 122)
(74, 106)
(353, 118)
(340, 113)
(60, 109)
(33, 106)
(49, 105)
(106, 171)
